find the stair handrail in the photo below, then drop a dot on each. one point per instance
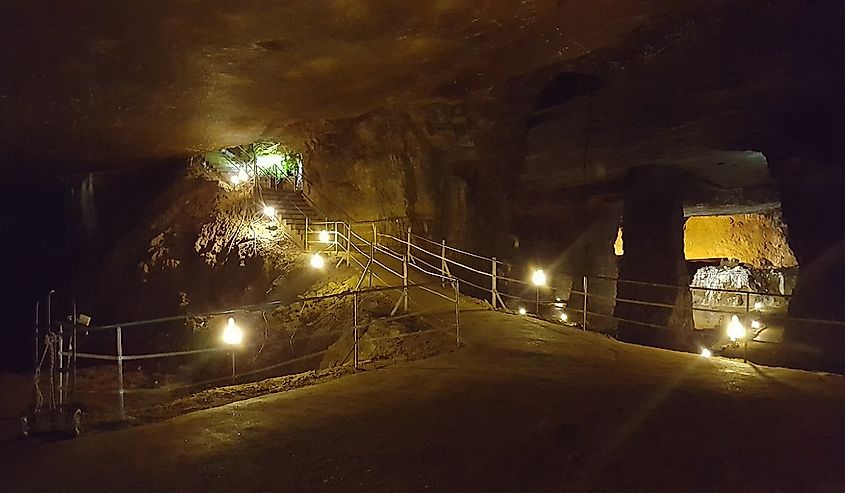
(311, 202)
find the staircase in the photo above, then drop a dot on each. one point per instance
(292, 209)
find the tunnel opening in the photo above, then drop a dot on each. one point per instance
(740, 264)
(265, 161)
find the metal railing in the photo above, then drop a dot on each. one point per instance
(358, 328)
(446, 262)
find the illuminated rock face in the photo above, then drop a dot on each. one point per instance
(759, 240)
(447, 169)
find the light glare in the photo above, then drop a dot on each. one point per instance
(755, 324)
(323, 236)
(538, 278)
(317, 261)
(232, 334)
(522, 310)
(705, 353)
(735, 329)
(564, 317)
(758, 305)
(269, 211)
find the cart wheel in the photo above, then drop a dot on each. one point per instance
(73, 426)
(26, 426)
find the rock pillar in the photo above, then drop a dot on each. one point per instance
(653, 231)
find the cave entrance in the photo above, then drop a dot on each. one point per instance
(748, 253)
(259, 162)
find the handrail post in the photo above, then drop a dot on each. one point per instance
(585, 303)
(747, 324)
(405, 272)
(355, 330)
(305, 241)
(405, 283)
(457, 313)
(493, 286)
(335, 239)
(348, 243)
(373, 252)
(119, 342)
(443, 267)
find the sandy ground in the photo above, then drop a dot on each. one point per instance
(524, 405)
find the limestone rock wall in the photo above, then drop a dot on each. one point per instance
(759, 240)
(446, 169)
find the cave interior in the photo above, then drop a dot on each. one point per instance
(692, 144)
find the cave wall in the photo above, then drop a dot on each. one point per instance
(448, 169)
(811, 187)
(759, 240)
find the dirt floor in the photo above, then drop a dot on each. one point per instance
(524, 405)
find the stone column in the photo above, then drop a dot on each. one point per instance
(653, 232)
(813, 205)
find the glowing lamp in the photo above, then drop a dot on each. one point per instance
(235, 180)
(317, 261)
(705, 353)
(558, 303)
(755, 324)
(522, 310)
(735, 329)
(242, 176)
(323, 236)
(232, 334)
(268, 161)
(538, 278)
(269, 211)
(564, 317)
(758, 305)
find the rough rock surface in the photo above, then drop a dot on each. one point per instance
(755, 239)
(653, 272)
(447, 169)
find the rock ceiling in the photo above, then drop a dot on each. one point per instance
(107, 82)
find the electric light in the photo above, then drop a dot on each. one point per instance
(735, 329)
(522, 310)
(317, 261)
(268, 161)
(705, 353)
(269, 211)
(538, 278)
(235, 179)
(564, 317)
(323, 236)
(558, 303)
(242, 176)
(758, 305)
(755, 324)
(232, 334)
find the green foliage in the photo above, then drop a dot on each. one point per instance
(248, 157)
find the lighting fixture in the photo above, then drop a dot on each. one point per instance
(538, 278)
(232, 334)
(735, 329)
(317, 261)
